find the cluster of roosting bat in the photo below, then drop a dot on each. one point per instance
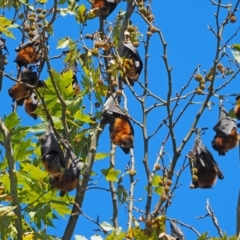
(23, 92)
(64, 168)
(61, 163)
(204, 168)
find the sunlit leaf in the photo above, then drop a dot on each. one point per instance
(79, 115)
(62, 43)
(107, 226)
(111, 174)
(79, 237)
(81, 14)
(100, 156)
(236, 55)
(11, 120)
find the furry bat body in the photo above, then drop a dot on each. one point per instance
(203, 166)
(121, 130)
(226, 136)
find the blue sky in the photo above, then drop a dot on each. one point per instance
(184, 27)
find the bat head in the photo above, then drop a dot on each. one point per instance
(19, 92)
(127, 141)
(52, 162)
(30, 105)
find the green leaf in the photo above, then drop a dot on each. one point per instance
(11, 120)
(203, 236)
(81, 14)
(155, 180)
(42, 1)
(111, 174)
(100, 156)
(79, 237)
(232, 113)
(21, 151)
(4, 25)
(236, 55)
(63, 43)
(159, 190)
(79, 115)
(107, 226)
(61, 1)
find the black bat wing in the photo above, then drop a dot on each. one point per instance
(176, 231)
(49, 143)
(109, 8)
(129, 51)
(225, 123)
(111, 110)
(28, 77)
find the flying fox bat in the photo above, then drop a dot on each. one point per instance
(29, 52)
(68, 179)
(121, 130)
(105, 7)
(20, 91)
(132, 63)
(176, 231)
(73, 67)
(226, 136)
(30, 105)
(204, 168)
(51, 152)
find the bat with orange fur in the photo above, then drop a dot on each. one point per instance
(30, 105)
(121, 130)
(226, 137)
(68, 179)
(132, 63)
(29, 52)
(104, 7)
(24, 89)
(51, 153)
(204, 168)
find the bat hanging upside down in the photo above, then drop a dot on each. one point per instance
(121, 130)
(67, 180)
(121, 133)
(105, 7)
(51, 152)
(226, 137)
(29, 52)
(204, 168)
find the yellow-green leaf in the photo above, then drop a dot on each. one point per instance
(100, 156)
(111, 174)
